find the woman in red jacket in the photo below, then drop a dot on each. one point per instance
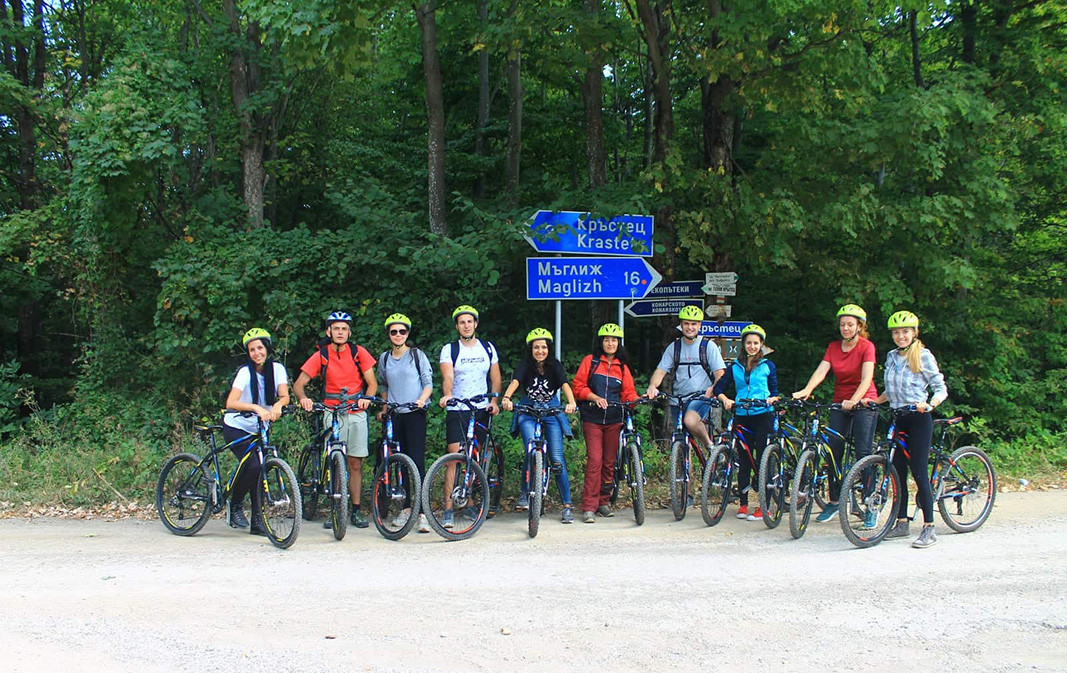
(603, 377)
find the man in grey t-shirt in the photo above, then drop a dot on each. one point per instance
(690, 376)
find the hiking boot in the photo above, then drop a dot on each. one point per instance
(257, 528)
(870, 519)
(448, 519)
(567, 516)
(423, 525)
(756, 515)
(523, 503)
(898, 530)
(358, 520)
(742, 512)
(237, 517)
(829, 513)
(605, 511)
(927, 538)
(328, 523)
(588, 517)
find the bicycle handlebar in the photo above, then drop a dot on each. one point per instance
(469, 402)
(539, 412)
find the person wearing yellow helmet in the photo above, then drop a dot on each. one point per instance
(755, 380)
(603, 377)
(260, 386)
(542, 378)
(852, 362)
(406, 378)
(910, 371)
(696, 364)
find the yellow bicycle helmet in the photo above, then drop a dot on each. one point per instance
(610, 329)
(903, 319)
(398, 318)
(460, 310)
(691, 313)
(256, 333)
(753, 329)
(853, 310)
(538, 333)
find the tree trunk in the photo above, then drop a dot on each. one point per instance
(717, 124)
(593, 99)
(916, 63)
(483, 99)
(656, 31)
(31, 76)
(435, 117)
(969, 21)
(515, 94)
(244, 81)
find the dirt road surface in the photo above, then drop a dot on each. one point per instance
(668, 596)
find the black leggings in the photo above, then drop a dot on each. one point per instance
(859, 423)
(245, 482)
(919, 429)
(409, 430)
(758, 427)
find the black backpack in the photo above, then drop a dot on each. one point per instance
(490, 349)
(383, 362)
(703, 351)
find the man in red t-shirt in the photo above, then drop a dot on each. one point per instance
(351, 370)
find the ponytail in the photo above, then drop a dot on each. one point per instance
(914, 355)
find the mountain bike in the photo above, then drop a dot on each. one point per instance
(816, 464)
(190, 488)
(535, 463)
(322, 469)
(724, 460)
(963, 483)
(682, 448)
(395, 496)
(630, 461)
(778, 464)
(456, 482)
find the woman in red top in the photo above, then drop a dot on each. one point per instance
(852, 362)
(603, 377)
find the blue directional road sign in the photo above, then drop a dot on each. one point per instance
(728, 329)
(651, 307)
(589, 278)
(573, 232)
(676, 289)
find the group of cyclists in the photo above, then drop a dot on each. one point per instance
(470, 367)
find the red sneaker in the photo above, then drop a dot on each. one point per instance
(742, 512)
(757, 515)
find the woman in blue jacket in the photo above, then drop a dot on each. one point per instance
(754, 378)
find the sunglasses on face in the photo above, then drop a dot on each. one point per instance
(395, 332)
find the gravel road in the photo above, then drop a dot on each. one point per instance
(127, 596)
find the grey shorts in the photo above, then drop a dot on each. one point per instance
(353, 432)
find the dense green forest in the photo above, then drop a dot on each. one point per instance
(173, 172)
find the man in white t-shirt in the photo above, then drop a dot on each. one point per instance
(469, 367)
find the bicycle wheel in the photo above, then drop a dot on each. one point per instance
(339, 501)
(773, 480)
(183, 494)
(637, 480)
(678, 481)
(307, 473)
(715, 486)
(495, 475)
(469, 495)
(966, 489)
(870, 496)
(534, 480)
(281, 503)
(802, 494)
(396, 496)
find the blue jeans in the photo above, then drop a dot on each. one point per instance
(553, 436)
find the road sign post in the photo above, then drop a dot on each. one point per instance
(721, 284)
(589, 278)
(574, 232)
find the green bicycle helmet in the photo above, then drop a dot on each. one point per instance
(753, 329)
(610, 329)
(256, 333)
(903, 319)
(538, 333)
(691, 313)
(398, 318)
(853, 310)
(460, 310)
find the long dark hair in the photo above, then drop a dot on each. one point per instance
(548, 368)
(598, 350)
(269, 389)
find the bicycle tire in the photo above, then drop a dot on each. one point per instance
(873, 486)
(637, 481)
(281, 504)
(975, 486)
(495, 475)
(184, 486)
(801, 494)
(307, 473)
(678, 484)
(715, 484)
(389, 505)
(433, 495)
(772, 484)
(339, 499)
(536, 478)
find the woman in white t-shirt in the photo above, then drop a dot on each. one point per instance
(265, 398)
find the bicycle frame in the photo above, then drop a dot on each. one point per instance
(681, 433)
